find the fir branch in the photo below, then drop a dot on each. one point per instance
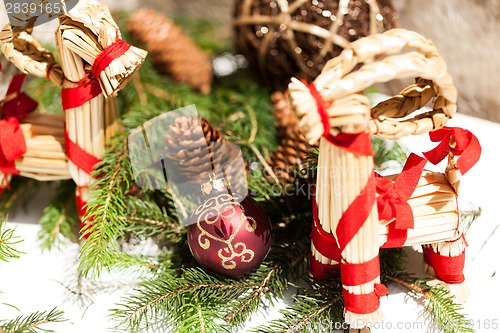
(388, 153)
(19, 194)
(106, 206)
(299, 326)
(170, 295)
(254, 300)
(32, 323)
(441, 307)
(146, 218)
(443, 310)
(410, 285)
(320, 303)
(59, 218)
(7, 242)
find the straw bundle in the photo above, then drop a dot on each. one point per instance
(45, 158)
(435, 212)
(391, 119)
(95, 64)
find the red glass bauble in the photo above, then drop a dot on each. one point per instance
(228, 237)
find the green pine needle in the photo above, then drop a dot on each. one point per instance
(8, 240)
(19, 194)
(106, 206)
(32, 323)
(443, 310)
(388, 153)
(59, 219)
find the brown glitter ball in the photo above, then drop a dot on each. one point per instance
(285, 38)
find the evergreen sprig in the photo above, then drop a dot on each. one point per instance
(107, 202)
(19, 193)
(193, 299)
(442, 311)
(313, 310)
(59, 219)
(8, 240)
(388, 153)
(32, 323)
(173, 300)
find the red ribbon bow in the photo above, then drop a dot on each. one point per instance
(12, 145)
(17, 104)
(392, 201)
(464, 144)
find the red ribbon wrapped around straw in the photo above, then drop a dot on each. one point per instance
(108, 55)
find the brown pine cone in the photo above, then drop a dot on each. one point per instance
(293, 147)
(195, 156)
(171, 51)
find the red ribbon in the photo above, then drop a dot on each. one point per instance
(324, 242)
(12, 145)
(466, 145)
(364, 303)
(78, 156)
(81, 207)
(355, 143)
(448, 269)
(20, 104)
(358, 274)
(87, 89)
(356, 214)
(112, 52)
(322, 271)
(393, 197)
(4, 183)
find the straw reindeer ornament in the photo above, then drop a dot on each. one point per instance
(357, 211)
(95, 63)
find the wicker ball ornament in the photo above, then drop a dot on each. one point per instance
(285, 38)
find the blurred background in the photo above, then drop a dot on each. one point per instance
(465, 31)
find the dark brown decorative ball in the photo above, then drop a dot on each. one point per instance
(285, 38)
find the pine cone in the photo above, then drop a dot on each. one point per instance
(195, 157)
(293, 147)
(172, 52)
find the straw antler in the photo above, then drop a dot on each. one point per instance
(382, 59)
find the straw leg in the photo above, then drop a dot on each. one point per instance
(449, 252)
(348, 176)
